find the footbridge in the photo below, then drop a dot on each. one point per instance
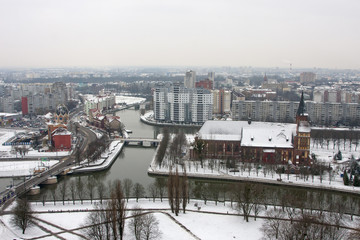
(142, 141)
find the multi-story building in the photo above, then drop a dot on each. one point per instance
(102, 102)
(285, 111)
(221, 101)
(307, 77)
(190, 79)
(182, 105)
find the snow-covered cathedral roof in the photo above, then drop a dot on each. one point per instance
(255, 134)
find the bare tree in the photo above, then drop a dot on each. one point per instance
(171, 191)
(44, 196)
(128, 184)
(98, 225)
(101, 189)
(272, 225)
(161, 186)
(184, 190)
(73, 191)
(138, 191)
(53, 194)
(120, 206)
(152, 190)
(150, 229)
(244, 198)
(80, 189)
(22, 214)
(63, 191)
(91, 187)
(136, 222)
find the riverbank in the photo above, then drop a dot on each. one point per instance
(218, 173)
(106, 160)
(149, 119)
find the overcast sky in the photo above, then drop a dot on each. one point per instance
(263, 33)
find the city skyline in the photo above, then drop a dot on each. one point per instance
(305, 34)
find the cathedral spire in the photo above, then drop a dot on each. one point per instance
(301, 109)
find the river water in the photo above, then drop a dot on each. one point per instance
(134, 161)
(131, 163)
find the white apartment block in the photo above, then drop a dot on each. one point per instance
(285, 111)
(99, 102)
(182, 105)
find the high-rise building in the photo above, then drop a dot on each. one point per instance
(190, 79)
(211, 76)
(221, 101)
(182, 105)
(307, 77)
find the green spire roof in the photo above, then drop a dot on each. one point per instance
(301, 109)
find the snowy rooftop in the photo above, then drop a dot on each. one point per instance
(221, 130)
(265, 134)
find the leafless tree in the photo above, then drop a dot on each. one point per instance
(272, 225)
(244, 198)
(80, 189)
(53, 194)
(177, 192)
(128, 184)
(63, 191)
(99, 228)
(161, 186)
(44, 196)
(91, 187)
(152, 190)
(136, 222)
(22, 214)
(150, 229)
(138, 191)
(184, 190)
(170, 190)
(73, 191)
(117, 198)
(101, 189)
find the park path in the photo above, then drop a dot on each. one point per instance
(63, 230)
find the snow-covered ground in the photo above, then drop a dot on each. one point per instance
(129, 100)
(213, 169)
(107, 158)
(203, 225)
(22, 168)
(5, 151)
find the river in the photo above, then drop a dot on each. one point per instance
(134, 161)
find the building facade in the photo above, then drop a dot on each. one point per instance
(190, 79)
(182, 105)
(285, 111)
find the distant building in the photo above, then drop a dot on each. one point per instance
(58, 135)
(101, 102)
(221, 101)
(307, 77)
(206, 84)
(182, 105)
(285, 111)
(190, 79)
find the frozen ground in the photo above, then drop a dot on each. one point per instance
(22, 168)
(5, 151)
(203, 225)
(129, 100)
(324, 153)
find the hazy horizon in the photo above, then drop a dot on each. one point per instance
(260, 33)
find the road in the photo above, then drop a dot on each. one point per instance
(64, 163)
